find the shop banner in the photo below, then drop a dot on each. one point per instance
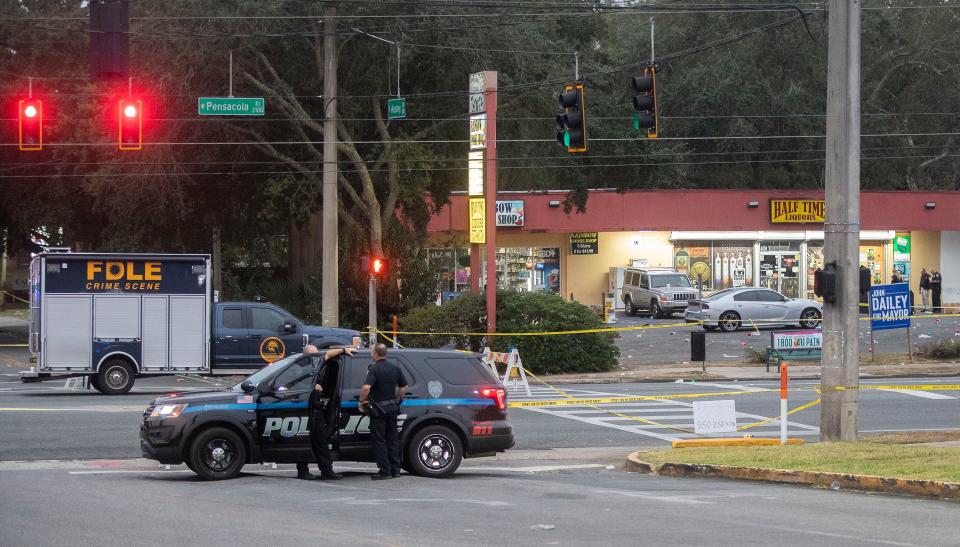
(901, 248)
(510, 213)
(890, 306)
(584, 243)
(478, 221)
(796, 211)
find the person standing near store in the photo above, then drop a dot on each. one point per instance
(935, 287)
(895, 277)
(925, 289)
(381, 395)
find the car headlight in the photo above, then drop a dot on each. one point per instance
(168, 411)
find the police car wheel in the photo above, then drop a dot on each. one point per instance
(217, 454)
(115, 378)
(434, 451)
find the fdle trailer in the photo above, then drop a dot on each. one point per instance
(116, 317)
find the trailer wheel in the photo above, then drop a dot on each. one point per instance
(115, 377)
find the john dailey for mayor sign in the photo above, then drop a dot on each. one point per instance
(890, 306)
(510, 213)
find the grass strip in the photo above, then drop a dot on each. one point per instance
(865, 458)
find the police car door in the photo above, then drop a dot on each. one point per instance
(283, 414)
(353, 429)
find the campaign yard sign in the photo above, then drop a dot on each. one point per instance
(890, 306)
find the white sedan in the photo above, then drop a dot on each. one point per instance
(731, 308)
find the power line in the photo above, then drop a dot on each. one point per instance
(515, 167)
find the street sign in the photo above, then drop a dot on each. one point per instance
(231, 106)
(890, 306)
(478, 220)
(396, 108)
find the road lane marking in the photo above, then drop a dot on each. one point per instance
(739, 387)
(922, 394)
(592, 421)
(92, 408)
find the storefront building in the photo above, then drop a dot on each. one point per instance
(719, 238)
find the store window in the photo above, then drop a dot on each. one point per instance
(529, 269)
(715, 265)
(871, 257)
(814, 263)
(453, 270)
(693, 259)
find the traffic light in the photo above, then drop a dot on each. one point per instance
(825, 283)
(645, 102)
(31, 124)
(131, 124)
(379, 267)
(572, 124)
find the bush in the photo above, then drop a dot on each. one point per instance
(519, 313)
(944, 349)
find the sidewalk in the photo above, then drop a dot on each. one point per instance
(740, 372)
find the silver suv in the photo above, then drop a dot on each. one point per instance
(661, 292)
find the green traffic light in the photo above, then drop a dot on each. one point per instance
(636, 121)
(566, 139)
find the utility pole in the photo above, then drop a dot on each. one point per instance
(490, 172)
(840, 379)
(330, 298)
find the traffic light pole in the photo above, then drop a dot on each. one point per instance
(841, 348)
(372, 308)
(330, 298)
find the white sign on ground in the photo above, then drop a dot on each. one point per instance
(714, 416)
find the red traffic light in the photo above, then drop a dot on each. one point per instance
(130, 135)
(31, 124)
(379, 266)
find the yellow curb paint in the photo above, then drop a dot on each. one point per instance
(750, 441)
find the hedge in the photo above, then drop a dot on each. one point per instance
(516, 313)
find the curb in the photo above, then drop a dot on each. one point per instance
(639, 380)
(833, 481)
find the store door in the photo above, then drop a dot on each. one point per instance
(780, 271)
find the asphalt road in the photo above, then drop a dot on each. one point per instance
(47, 421)
(71, 475)
(113, 504)
(669, 340)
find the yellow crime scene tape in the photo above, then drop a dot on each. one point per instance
(753, 322)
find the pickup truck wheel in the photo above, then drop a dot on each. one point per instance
(628, 303)
(655, 310)
(216, 454)
(115, 377)
(434, 451)
(729, 321)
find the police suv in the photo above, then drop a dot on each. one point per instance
(454, 408)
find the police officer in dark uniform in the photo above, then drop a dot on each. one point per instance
(380, 396)
(318, 421)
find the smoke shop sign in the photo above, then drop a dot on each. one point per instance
(510, 213)
(796, 211)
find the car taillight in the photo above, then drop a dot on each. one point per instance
(703, 306)
(497, 394)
